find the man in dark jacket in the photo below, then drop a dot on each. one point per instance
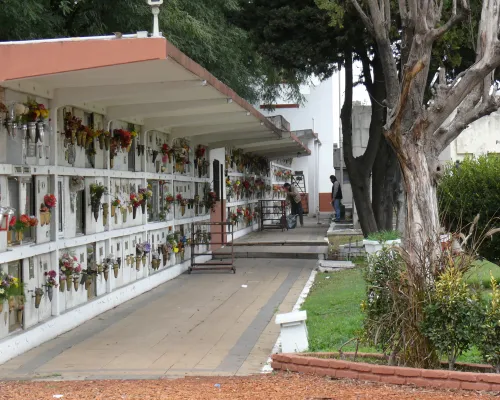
(336, 197)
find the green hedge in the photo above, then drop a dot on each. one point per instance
(467, 190)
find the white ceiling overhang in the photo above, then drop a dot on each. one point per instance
(158, 87)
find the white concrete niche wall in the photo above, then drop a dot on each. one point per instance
(69, 299)
(15, 145)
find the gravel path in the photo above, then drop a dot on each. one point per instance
(269, 387)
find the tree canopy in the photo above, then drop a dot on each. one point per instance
(199, 28)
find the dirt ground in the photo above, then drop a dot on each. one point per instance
(269, 387)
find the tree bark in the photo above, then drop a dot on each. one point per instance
(384, 180)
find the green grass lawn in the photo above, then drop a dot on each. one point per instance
(334, 315)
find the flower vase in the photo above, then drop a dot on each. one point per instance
(32, 131)
(40, 131)
(106, 275)
(76, 283)
(95, 211)
(20, 316)
(128, 148)
(50, 292)
(134, 212)
(143, 206)
(182, 255)
(101, 142)
(20, 236)
(124, 214)
(62, 284)
(1, 306)
(138, 263)
(111, 162)
(79, 138)
(183, 210)
(38, 299)
(116, 219)
(113, 210)
(115, 270)
(144, 260)
(9, 237)
(68, 284)
(84, 139)
(105, 212)
(88, 282)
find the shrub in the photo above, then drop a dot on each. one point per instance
(469, 189)
(489, 339)
(453, 315)
(383, 276)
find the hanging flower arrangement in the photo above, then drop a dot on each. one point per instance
(169, 200)
(136, 199)
(124, 138)
(97, 190)
(210, 200)
(248, 216)
(69, 265)
(51, 278)
(166, 151)
(37, 111)
(50, 201)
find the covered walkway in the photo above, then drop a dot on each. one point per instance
(199, 324)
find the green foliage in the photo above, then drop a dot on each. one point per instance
(333, 313)
(383, 277)
(479, 277)
(472, 188)
(452, 316)
(489, 339)
(384, 236)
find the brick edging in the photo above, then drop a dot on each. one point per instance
(433, 378)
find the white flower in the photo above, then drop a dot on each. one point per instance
(2, 291)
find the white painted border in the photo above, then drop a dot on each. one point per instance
(20, 343)
(302, 297)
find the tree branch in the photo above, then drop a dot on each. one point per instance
(487, 59)
(455, 18)
(368, 23)
(446, 135)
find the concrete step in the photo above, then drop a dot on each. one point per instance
(282, 243)
(268, 254)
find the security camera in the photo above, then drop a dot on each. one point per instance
(155, 2)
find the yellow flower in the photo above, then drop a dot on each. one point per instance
(44, 114)
(238, 183)
(176, 250)
(15, 282)
(133, 134)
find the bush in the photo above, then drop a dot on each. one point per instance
(453, 316)
(467, 190)
(383, 278)
(384, 236)
(489, 339)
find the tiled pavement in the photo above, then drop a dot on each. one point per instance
(205, 324)
(199, 324)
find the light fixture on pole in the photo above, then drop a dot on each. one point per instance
(155, 8)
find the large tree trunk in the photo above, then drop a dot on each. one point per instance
(422, 219)
(384, 180)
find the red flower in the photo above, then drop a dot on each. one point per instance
(50, 200)
(24, 219)
(12, 221)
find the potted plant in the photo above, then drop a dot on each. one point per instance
(51, 283)
(21, 224)
(146, 193)
(378, 240)
(114, 204)
(9, 286)
(36, 117)
(136, 200)
(97, 190)
(38, 296)
(70, 267)
(182, 203)
(155, 261)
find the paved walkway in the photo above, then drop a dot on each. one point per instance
(199, 324)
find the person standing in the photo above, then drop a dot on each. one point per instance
(336, 197)
(293, 196)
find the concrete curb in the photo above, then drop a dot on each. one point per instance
(266, 369)
(300, 256)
